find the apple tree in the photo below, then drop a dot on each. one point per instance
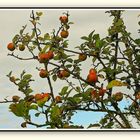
(115, 62)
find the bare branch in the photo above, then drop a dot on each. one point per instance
(6, 101)
(20, 58)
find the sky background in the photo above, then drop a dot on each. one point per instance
(85, 21)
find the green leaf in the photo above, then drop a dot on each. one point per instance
(71, 101)
(39, 14)
(78, 89)
(45, 48)
(57, 57)
(106, 50)
(77, 100)
(91, 34)
(71, 22)
(69, 60)
(33, 34)
(94, 125)
(21, 109)
(101, 76)
(64, 90)
(128, 52)
(40, 38)
(54, 77)
(99, 43)
(121, 62)
(84, 85)
(96, 37)
(68, 66)
(94, 59)
(10, 73)
(119, 22)
(89, 90)
(115, 83)
(28, 91)
(138, 58)
(86, 96)
(78, 95)
(35, 107)
(55, 114)
(47, 36)
(22, 30)
(22, 84)
(109, 125)
(106, 101)
(85, 38)
(37, 114)
(41, 103)
(103, 121)
(13, 108)
(65, 44)
(27, 76)
(17, 79)
(15, 39)
(137, 41)
(64, 56)
(22, 74)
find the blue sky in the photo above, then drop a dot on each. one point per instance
(85, 21)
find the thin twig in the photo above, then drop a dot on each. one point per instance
(20, 58)
(49, 82)
(6, 101)
(35, 29)
(75, 75)
(37, 125)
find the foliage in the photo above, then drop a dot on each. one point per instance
(115, 63)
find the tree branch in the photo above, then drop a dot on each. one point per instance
(49, 82)
(6, 101)
(20, 58)
(37, 125)
(75, 75)
(35, 29)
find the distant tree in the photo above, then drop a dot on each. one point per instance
(115, 63)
